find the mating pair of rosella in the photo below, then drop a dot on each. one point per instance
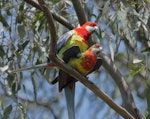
(73, 49)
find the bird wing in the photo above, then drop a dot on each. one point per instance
(62, 78)
(72, 52)
(63, 39)
(72, 80)
(97, 65)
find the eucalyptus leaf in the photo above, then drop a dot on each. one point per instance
(3, 69)
(56, 1)
(7, 112)
(2, 52)
(34, 86)
(21, 31)
(106, 8)
(68, 2)
(135, 61)
(145, 50)
(3, 21)
(111, 49)
(21, 46)
(38, 17)
(137, 67)
(144, 15)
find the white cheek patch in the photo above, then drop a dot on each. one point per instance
(101, 48)
(90, 28)
(96, 50)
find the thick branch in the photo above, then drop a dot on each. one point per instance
(73, 72)
(93, 88)
(52, 29)
(127, 97)
(79, 11)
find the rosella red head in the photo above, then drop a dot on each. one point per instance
(90, 26)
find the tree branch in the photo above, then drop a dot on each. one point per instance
(128, 101)
(127, 97)
(79, 11)
(29, 101)
(56, 16)
(73, 72)
(44, 104)
(52, 29)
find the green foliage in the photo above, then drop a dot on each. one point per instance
(7, 112)
(106, 8)
(56, 1)
(2, 52)
(20, 16)
(21, 31)
(3, 21)
(25, 40)
(38, 17)
(34, 87)
(145, 50)
(136, 68)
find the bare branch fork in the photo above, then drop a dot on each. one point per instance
(74, 73)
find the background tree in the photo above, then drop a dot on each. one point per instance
(25, 40)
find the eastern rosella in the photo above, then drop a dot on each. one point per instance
(78, 36)
(84, 63)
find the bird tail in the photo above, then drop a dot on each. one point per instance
(34, 67)
(68, 84)
(70, 95)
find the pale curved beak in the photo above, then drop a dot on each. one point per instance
(101, 48)
(96, 28)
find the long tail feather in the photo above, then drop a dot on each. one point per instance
(70, 94)
(33, 67)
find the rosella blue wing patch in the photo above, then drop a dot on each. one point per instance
(63, 39)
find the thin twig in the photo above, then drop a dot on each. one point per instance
(43, 104)
(56, 16)
(46, 105)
